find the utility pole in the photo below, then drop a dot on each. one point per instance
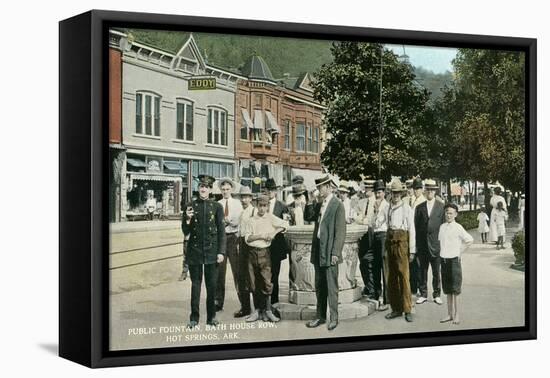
(381, 126)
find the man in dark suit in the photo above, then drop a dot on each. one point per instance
(328, 239)
(204, 223)
(428, 217)
(279, 247)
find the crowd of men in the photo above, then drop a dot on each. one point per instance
(401, 245)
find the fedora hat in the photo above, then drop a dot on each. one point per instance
(397, 186)
(298, 189)
(245, 191)
(430, 184)
(379, 185)
(323, 179)
(343, 188)
(298, 180)
(270, 184)
(226, 180)
(369, 184)
(417, 183)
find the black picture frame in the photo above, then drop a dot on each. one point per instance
(83, 196)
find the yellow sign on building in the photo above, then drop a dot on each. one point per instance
(202, 83)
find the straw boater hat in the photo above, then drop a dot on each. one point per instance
(245, 191)
(343, 188)
(226, 180)
(397, 186)
(417, 183)
(379, 185)
(206, 180)
(409, 183)
(368, 184)
(324, 179)
(430, 184)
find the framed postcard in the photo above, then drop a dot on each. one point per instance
(235, 188)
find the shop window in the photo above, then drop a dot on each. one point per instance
(184, 123)
(217, 127)
(147, 114)
(300, 137)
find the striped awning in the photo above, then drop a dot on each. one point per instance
(272, 123)
(174, 166)
(154, 177)
(136, 163)
(246, 117)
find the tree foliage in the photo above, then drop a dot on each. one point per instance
(350, 88)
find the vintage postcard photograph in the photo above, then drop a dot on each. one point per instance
(267, 188)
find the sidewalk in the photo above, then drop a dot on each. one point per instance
(139, 226)
(150, 296)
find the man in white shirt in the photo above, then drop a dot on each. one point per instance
(454, 240)
(232, 210)
(380, 228)
(243, 283)
(400, 248)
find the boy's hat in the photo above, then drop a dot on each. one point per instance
(245, 191)
(417, 183)
(379, 185)
(226, 180)
(396, 186)
(430, 184)
(263, 199)
(452, 205)
(206, 180)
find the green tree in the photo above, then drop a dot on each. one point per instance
(350, 88)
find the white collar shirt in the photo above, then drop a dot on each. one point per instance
(322, 213)
(453, 240)
(234, 209)
(401, 217)
(430, 205)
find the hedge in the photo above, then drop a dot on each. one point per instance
(468, 219)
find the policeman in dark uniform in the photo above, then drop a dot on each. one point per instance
(204, 223)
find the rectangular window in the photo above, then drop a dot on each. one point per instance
(148, 118)
(310, 138)
(209, 131)
(217, 127)
(157, 116)
(300, 137)
(189, 122)
(316, 140)
(139, 118)
(184, 123)
(147, 114)
(287, 135)
(244, 131)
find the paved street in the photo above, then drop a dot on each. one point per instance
(150, 307)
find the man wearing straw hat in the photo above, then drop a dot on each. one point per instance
(326, 250)
(232, 210)
(400, 249)
(243, 282)
(366, 256)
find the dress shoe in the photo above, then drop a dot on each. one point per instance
(192, 324)
(383, 307)
(421, 300)
(253, 317)
(393, 315)
(213, 322)
(241, 313)
(333, 324)
(315, 323)
(409, 317)
(438, 300)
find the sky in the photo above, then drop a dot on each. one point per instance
(436, 59)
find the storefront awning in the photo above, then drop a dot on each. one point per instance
(309, 176)
(174, 166)
(246, 117)
(258, 120)
(136, 163)
(272, 123)
(154, 177)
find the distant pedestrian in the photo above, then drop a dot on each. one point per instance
(500, 218)
(454, 240)
(483, 224)
(495, 199)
